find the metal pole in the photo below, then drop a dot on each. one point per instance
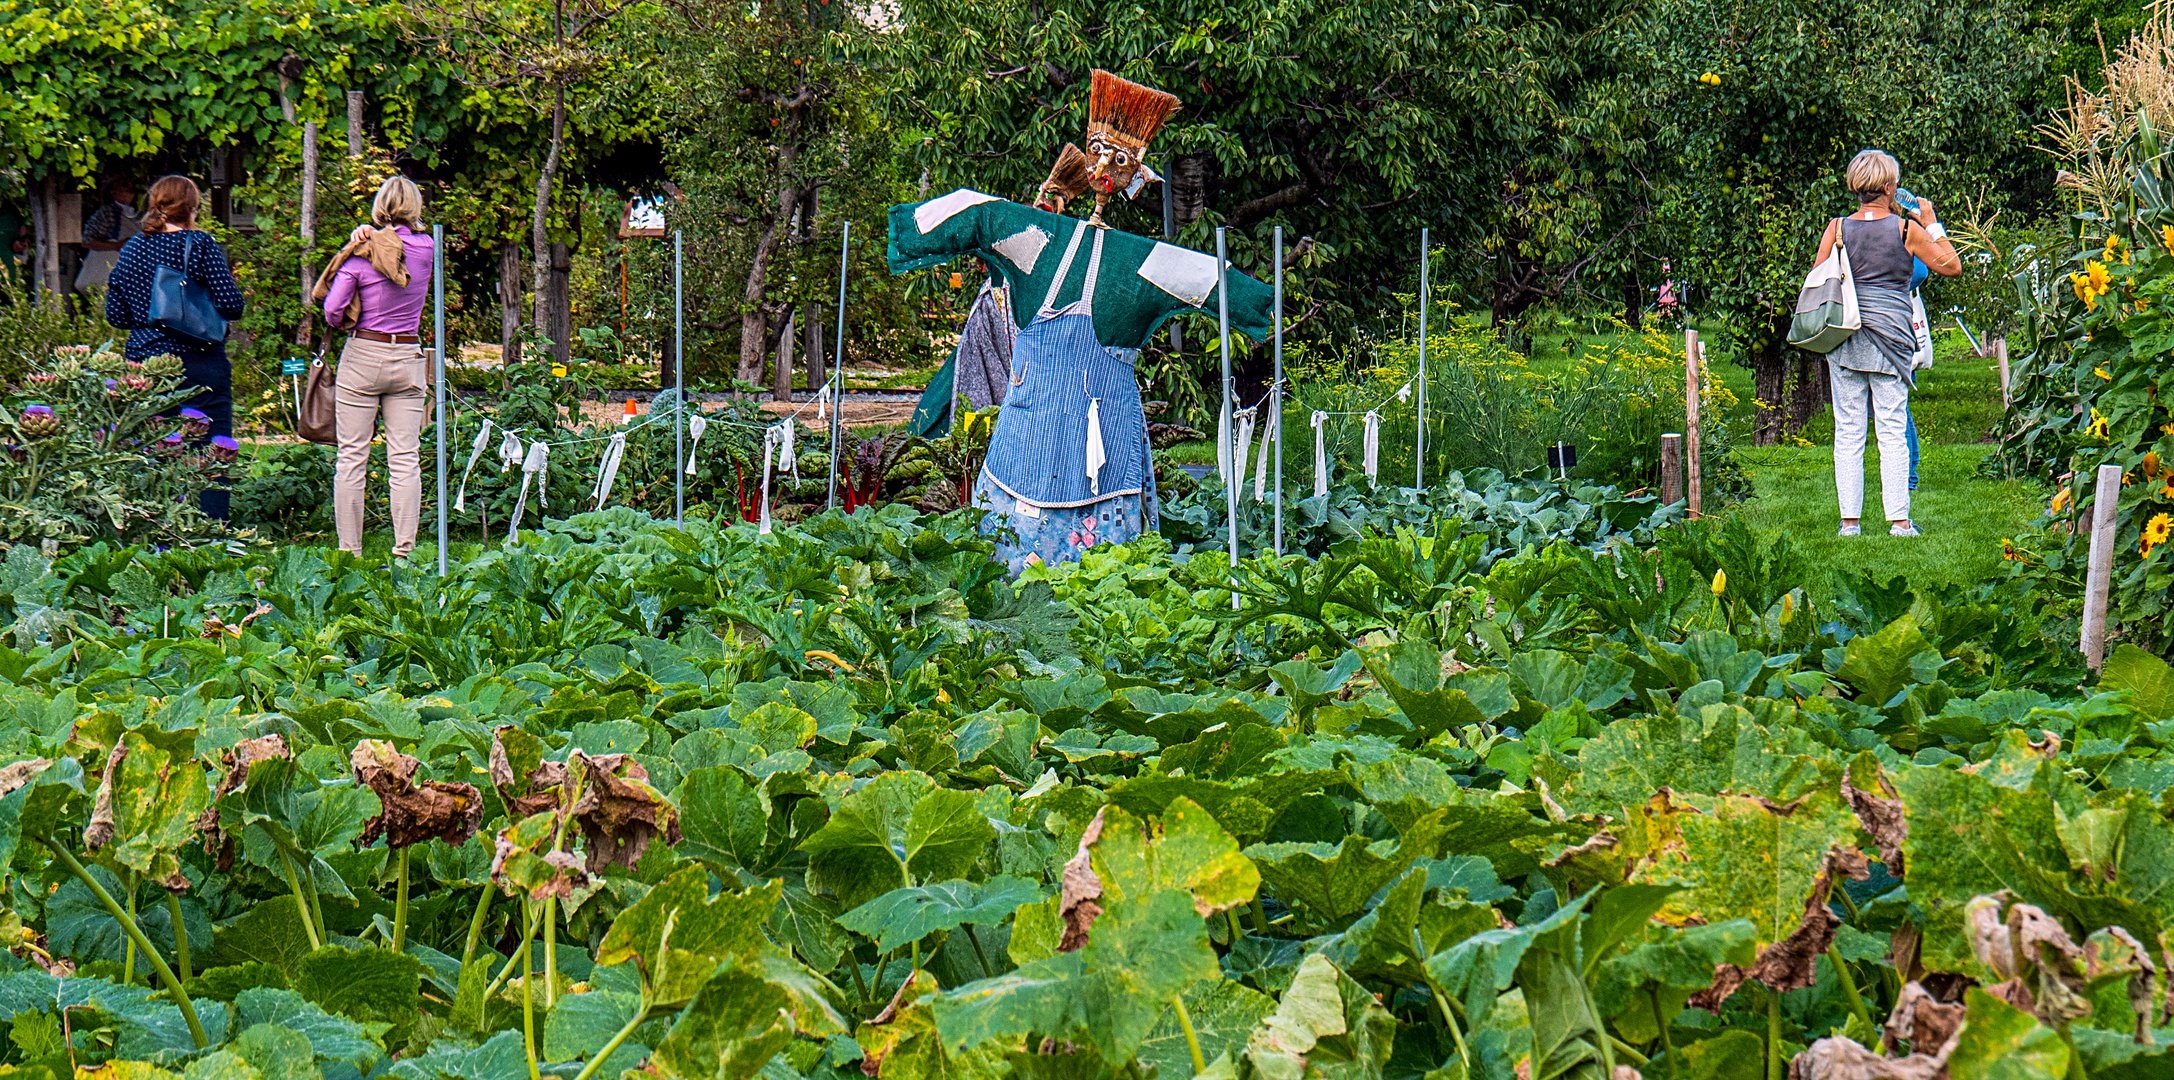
(437, 323)
(837, 365)
(1170, 233)
(679, 392)
(1419, 465)
(1275, 392)
(1222, 318)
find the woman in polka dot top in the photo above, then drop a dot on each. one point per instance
(167, 226)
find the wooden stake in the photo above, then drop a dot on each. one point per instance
(306, 225)
(1671, 468)
(2105, 511)
(2000, 353)
(354, 123)
(1694, 358)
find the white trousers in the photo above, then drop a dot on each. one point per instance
(1882, 400)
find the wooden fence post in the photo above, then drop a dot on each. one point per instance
(1694, 358)
(354, 123)
(2000, 354)
(306, 226)
(1671, 468)
(2105, 511)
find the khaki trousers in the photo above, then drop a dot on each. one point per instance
(375, 375)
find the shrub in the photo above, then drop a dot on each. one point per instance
(101, 448)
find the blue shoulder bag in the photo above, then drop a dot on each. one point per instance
(184, 306)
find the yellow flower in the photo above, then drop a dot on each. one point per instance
(558, 371)
(2153, 467)
(2098, 424)
(1721, 581)
(2114, 249)
(2101, 372)
(2084, 293)
(2095, 273)
(2156, 532)
(2060, 502)
(2166, 491)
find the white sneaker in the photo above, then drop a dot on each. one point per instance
(1903, 530)
(1850, 530)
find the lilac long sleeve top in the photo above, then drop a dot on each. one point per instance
(386, 308)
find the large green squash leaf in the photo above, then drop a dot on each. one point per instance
(897, 830)
(1330, 884)
(903, 916)
(1327, 1027)
(677, 935)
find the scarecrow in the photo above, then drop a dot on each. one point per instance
(1069, 465)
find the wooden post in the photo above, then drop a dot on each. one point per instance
(2105, 511)
(1671, 468)
(2000, 354)
(306, 225)
(354, 123)
(1694, 358)
(45, 280)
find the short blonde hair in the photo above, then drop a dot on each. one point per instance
(1870, 172)
(398, 202)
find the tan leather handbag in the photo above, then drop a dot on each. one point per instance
(318, 419)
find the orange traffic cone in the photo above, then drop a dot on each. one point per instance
(633, 411)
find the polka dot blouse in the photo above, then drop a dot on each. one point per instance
(128, 300)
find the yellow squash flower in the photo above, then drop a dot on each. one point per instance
(1721, 581)
(2101, 372)
(2060, 502)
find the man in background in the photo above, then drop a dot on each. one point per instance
(108, 227)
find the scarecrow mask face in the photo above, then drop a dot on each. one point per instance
(1121, 117)
(1116, 162)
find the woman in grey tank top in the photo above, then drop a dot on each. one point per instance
(1869, 375)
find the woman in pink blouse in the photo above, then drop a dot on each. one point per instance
(377, 296)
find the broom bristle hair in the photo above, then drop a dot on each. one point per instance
(1068, 177)
(1128, 108)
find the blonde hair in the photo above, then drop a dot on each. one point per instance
(174, 199)
(1870, 172)
(398, 202)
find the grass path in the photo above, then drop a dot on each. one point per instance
(1963, 515)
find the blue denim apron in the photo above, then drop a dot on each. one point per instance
(1066, 385)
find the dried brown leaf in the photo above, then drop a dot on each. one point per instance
(1079, 904)
(1881, 816)
(619, 813)
(1923, 1021)
(1837, 1058)
(1791, 963)
(234, 771)
(410, 812)
(99, 832)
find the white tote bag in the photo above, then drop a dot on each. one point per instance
(1921, 331)
(1826, 312)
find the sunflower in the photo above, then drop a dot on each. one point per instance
(2098, 424)
(2156, 532)
(2113, 249)
(2095, 273)
(2152, 466)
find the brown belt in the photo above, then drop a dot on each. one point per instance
(389, 339)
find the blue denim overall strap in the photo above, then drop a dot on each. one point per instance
(1062, 376)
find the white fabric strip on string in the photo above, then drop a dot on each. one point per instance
(1404, 392)
(822, 402)
(475, 454)
(1320, 453)
(1370, 447)
(607, 467)
(532, 472)
(788, 458)
(1222, 442)
(1096, 457)
(696, 425)
(1271, 432)
(771, 437)
(510, 451)
(1243, 450)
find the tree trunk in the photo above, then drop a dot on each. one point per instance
(306, 225)
(559, 312)
(540, 221)
(754, 315)
(1634, 299)
(45, 223)
(1769, 378)
(509, 302)
(781, 382)
(1808, 391)
(355, 142)
(1189, 186)
(818, 371)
